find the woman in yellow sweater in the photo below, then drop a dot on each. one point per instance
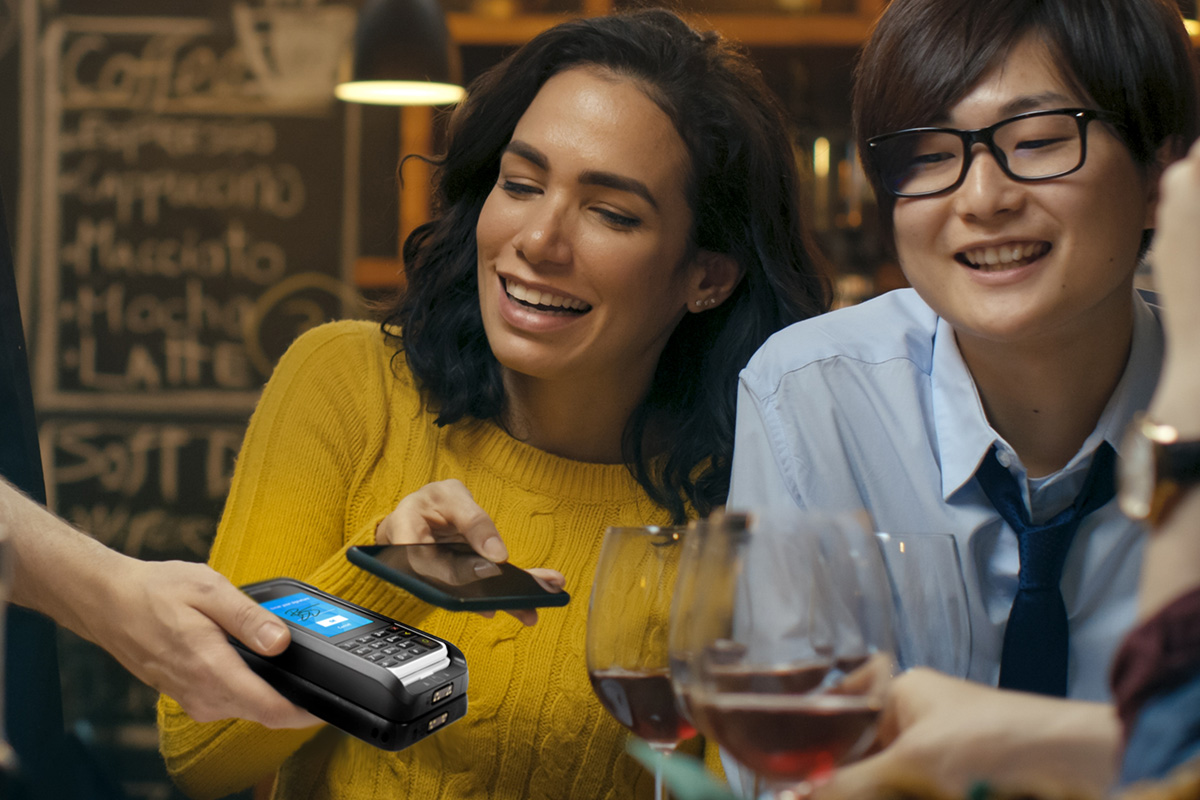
(616, 233)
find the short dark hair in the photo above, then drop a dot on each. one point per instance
(1131, 58)
(744, 193)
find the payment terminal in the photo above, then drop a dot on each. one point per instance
(387, 683)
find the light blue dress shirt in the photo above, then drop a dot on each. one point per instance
(873, 407)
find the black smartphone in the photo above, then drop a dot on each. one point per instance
(387, 683)
(452, 575)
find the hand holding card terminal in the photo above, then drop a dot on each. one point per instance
(385, 682)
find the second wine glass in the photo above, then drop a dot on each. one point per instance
(929, 601)
(795, 643)
(628, 619)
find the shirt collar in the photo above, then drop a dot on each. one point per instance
(964, 434)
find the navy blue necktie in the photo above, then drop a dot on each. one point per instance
(1034, 658)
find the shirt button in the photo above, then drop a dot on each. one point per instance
(1004, 457)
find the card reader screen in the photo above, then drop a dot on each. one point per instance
(315, 614)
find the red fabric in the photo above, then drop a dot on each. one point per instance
(1157, 656)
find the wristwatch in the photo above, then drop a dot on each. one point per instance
(1155, 470)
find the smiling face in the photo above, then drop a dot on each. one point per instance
(583, 240)
(1006, 261)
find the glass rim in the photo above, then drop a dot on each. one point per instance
(669, 534)
(648, 528)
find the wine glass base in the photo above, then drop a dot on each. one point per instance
(801, 792)
(765, 790)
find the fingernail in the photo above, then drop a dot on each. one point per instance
(494, 549)
(486, 569)
(270, 634)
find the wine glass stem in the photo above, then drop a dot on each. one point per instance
(664, 750)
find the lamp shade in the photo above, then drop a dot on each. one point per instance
(403, 55)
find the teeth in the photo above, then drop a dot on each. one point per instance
(534, 297)
(1003, 256)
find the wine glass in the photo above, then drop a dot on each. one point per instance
(684, 627)
(705, 552)
(627, 634)
(929, 601)
(795, 636)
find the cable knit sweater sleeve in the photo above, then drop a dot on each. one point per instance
(315, 432)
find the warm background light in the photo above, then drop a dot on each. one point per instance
(400, 93)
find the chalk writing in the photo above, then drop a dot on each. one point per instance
(232, 253)
(177, 138)
(275, 189)
(182, 198)
(151, 490)
(167, 73)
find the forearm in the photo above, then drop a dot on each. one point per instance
(1171, 556)
(1080, 746)
(58, 570)
(1051, 747)
(1173, 551)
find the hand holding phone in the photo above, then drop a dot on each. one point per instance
(442, 511)
(453, 576)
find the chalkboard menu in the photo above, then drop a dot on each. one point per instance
(192, 216)
(191, 188)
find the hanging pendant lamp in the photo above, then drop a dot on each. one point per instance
(403, 56)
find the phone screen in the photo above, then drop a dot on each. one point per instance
(453, 575)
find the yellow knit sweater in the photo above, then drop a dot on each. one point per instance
(338, 438)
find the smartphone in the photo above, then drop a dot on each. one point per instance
(385, 682)
(452, 575)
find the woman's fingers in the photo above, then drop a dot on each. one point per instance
(440, 511)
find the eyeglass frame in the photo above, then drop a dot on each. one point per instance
(986, 137)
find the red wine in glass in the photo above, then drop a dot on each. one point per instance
(644, 702)
(791, 737)
(797, 678)
(627, 658)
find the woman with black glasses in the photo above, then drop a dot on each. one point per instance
(1015, 148)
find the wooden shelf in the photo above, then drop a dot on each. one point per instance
(470, 29)
(781, 30)
(846, 30)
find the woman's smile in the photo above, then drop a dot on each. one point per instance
(543, 300)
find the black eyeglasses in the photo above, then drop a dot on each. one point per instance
(1035, 146)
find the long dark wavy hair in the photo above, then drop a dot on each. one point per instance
(744, 193)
